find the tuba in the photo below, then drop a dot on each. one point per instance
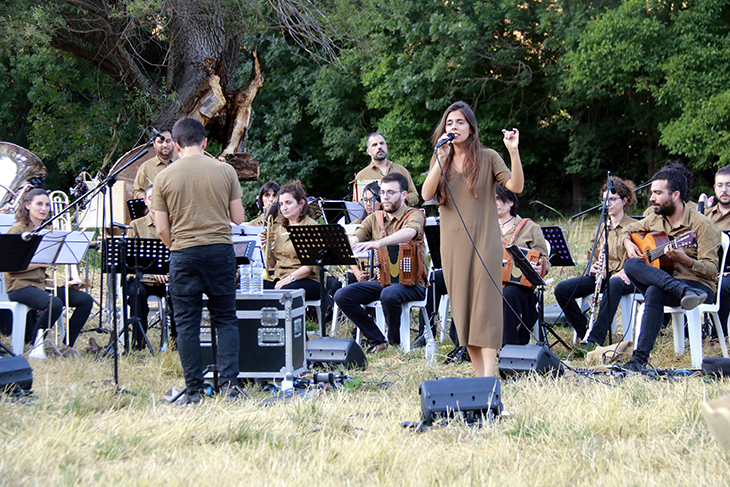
(20, 171)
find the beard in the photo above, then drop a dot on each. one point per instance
(392, 206)
(667, 208)
(381, 155)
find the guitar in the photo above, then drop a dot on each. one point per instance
(655, 244)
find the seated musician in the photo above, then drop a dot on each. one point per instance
(149, 285)
(569, 290)
(288, 271)
(267, 195)
(720, 216)
(399, 224)
(694, 278)
(29, 286)
(371, 200)
(518, 299)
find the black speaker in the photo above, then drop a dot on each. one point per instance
(522, 359)
(471, 398)
(16, 376)
(336, 351)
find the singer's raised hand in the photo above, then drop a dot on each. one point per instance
(511, 138)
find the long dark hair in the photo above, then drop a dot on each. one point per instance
(23, 215)
(297, 191)
(268, 186)
(505, 196)
(472, 148)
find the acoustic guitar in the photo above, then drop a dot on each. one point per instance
(654, 246)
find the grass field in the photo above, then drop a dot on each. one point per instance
(569, 431)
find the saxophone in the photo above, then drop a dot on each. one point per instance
(599, 282)
(267, 247)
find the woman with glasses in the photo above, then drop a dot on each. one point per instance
(569, 290)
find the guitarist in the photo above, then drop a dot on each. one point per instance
(694, 278)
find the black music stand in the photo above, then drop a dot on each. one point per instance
(137, 208)
(136, 256)
(520, 260)
(15, 255)
(244, 251)
(321, 245)
(559, 249)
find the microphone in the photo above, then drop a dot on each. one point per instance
(702, 203)
(611, 187)
(449, 138)
(26, 236)
(156, 134)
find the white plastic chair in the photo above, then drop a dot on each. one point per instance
(694, 320)
(405, 321)
(20, 312)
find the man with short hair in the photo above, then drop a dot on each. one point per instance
(399, 224)
(380, 166)
(694, 278)
(150, 168)
(720, 216)
(195, 200)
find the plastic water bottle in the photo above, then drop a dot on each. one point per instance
(256, 286)
(244, 276)
(430, 352)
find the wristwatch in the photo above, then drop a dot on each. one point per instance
(293, 278)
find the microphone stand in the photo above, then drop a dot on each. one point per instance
(646, 184)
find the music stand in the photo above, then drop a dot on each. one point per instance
(558, 247)
(15, 255)
(520, 260)
(321, 245)
(244, 249)
(136, 208)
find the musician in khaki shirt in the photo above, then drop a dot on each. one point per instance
(380, 166)
(720, 216)
(149, 169)
(695, 269)
(402, 224)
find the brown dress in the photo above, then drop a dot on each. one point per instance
(476, 303)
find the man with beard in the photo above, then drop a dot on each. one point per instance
(149, 170)
(694, 278)
(720, 216)
(395, 224)
(380, 166)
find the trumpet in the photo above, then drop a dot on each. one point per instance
(267, 247)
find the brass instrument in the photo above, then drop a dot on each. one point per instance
(267, 247)
(18, 166)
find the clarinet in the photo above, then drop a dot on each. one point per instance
(599, 281)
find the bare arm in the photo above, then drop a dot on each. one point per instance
(238, 214)
(430, 185)
(402, 235)
(516, 182)
(162, 223)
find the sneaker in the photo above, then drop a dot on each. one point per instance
(692, 299)
(190, 398)
(634, 365)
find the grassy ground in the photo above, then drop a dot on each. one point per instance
(568, 431)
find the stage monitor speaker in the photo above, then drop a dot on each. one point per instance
(472, 399)
(523, 359)
(336, 351)
(16, 376)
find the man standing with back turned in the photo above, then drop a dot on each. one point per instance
(194, 201)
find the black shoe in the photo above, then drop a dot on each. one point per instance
(419, 342)
(192, 398)
(692, 299)
(378, 347)
(232, 394)
(634, 365)
(580, 333)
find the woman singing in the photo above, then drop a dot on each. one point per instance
(472, 171)
(29, 286)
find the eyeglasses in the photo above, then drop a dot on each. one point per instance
(613, 199)
(388, 194)
(722, 185)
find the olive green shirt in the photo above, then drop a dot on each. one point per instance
(617, 255)
(721, 221)
(143, 228)
(283, 252)
(19, 280)
(372, 172)
(705, 261)
(147, 173)
(196, 193)
(530, 237)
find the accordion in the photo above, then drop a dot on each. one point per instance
(511, 274)
(399, 264)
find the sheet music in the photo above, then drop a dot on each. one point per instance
(62, 247)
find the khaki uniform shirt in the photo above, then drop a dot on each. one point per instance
(147, 173)
(282, 250)
(372, 172)
(19, 280)
(143, 228)
(196, 193)
(530, 237)
(617, 255)
(258, 221)
(721, 221)
(370, 230)
(705, 261)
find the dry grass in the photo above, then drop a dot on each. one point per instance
(568, 431)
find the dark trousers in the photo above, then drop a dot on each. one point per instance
(659, 290)
(36, 298)
(209, 269)
(351, 298)
(724, 305)
(310, 286)
(518, 327)
(567, 291)
(436, 290)
(137, 294)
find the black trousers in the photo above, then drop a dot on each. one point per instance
(137, 294)
(520, 303)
